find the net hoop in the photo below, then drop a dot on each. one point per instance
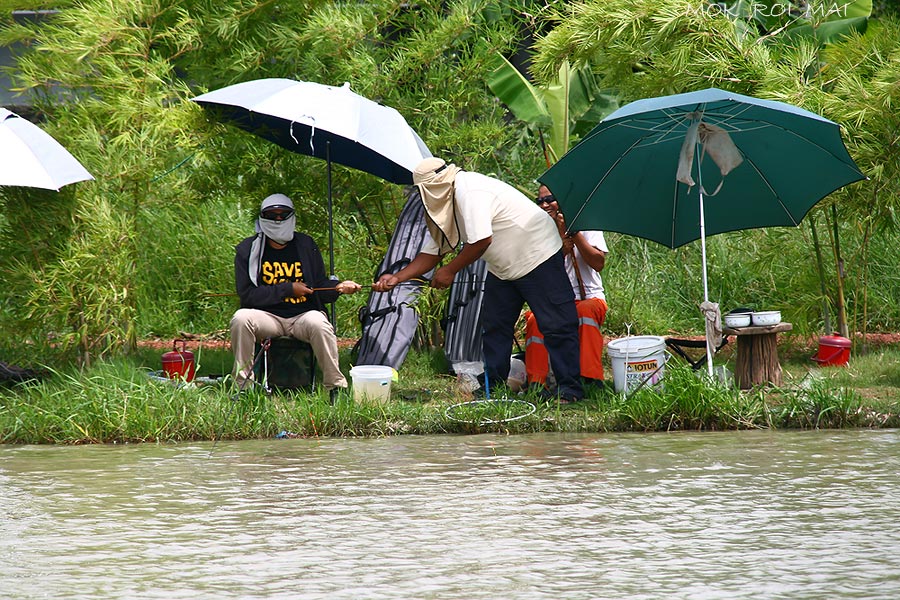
(527, 407)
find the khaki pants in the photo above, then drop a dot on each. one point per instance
(250, 325)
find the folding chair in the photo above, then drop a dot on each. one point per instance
(679, 346)
(287, 364)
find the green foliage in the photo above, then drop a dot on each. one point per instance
(573, 98)
(184, 276)
(84, 296)
(110, 62)
(885, 8)
(646, 49)
(863, 96)
(140, 250)
(126, 71)
(824, 21)
(651, 48)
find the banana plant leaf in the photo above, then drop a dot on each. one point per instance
(560, 108)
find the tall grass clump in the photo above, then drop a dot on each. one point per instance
(817, 405)
(113, 403)
(689, 400)
(865, 393)
(122, 401)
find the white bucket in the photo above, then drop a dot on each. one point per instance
(372, 382)
(636, 358)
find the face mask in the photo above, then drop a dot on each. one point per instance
(280, 232)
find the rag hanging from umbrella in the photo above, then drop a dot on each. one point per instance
(332, 123)
(30, 157)
(751, 163)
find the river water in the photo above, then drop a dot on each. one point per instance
(731, 515)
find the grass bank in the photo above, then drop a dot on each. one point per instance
(119, 402)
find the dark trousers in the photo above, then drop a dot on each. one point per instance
(549, 294)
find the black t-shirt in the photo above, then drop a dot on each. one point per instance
(282, 265)
(279, 265)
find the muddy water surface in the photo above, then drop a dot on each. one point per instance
(788, 515)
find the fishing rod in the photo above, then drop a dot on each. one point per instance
(411, 282)
(264, 346)
(317, 289)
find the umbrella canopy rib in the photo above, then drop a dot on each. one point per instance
(600, 182)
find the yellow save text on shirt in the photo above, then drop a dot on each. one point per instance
(278, 272)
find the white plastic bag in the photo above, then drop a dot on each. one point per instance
(517, 377)
(468, 375)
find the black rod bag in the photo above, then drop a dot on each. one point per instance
(389, 319)
(462, 316)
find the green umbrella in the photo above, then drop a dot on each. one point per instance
(679, 168)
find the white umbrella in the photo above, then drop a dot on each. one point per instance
(331, 123)
(312, 118)
(30, 157)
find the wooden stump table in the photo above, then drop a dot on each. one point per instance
(757, 354)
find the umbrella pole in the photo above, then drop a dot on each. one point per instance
(709, 365)
(330, 224)
(330, 213)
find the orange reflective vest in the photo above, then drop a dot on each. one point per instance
(591, 314)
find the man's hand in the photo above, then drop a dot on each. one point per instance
(567, 242)
(560, 223)
(422, 263)
(442, 279)
(347, 287)
(301, 289)
(386, 283)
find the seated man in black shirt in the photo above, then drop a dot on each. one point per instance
(282, 284)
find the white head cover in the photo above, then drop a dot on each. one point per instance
(435, 180)
(280, 232)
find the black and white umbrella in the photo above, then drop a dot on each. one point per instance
(331, 123)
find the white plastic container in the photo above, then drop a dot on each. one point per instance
(737, 320)
(636, 358)
(372, 383)
(767, 317)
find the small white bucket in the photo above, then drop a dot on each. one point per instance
(636, 358)
(372, 382)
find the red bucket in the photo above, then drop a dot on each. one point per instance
(834, 351)
(179, 364)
